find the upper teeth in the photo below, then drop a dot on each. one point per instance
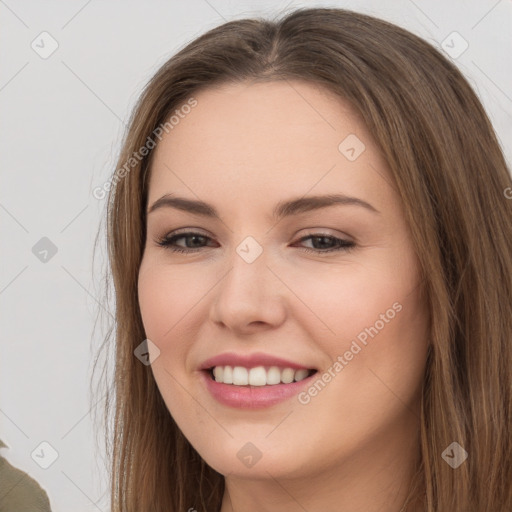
(258, 376)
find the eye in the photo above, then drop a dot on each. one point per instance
(327, 243)
(195, 241)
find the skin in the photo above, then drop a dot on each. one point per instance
(243, 149)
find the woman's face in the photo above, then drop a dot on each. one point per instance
(261, 279)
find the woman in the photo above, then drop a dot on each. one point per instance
(310, 241)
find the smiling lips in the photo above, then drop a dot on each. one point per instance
(253, 381)
(258, 376)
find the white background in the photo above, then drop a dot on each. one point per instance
(62, 119)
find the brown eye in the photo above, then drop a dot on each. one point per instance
(193, 242)
(327, 243)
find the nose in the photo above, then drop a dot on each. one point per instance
(249, 298)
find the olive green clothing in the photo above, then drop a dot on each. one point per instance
(19, 492)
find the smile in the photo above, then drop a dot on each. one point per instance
(258, 376)
(241, 394)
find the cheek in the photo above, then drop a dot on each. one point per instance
(166, 296)
(378, 358)
(373, 316)
(350, 298)
(383, 347)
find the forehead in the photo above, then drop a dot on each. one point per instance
(278, 114)
(261, 138)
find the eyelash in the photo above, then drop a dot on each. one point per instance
(168, 241)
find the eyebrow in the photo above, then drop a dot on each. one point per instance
(282, 209)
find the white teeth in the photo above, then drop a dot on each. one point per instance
(273, 375)
(218, 373)
(287, 375)
(301, 374)
(240, 376)
(258, 376)
(228, 375)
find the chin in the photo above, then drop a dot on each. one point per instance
(258, 460)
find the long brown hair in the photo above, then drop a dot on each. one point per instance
(453, 180)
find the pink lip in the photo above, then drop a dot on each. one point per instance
(252, 397)
(250, 361)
